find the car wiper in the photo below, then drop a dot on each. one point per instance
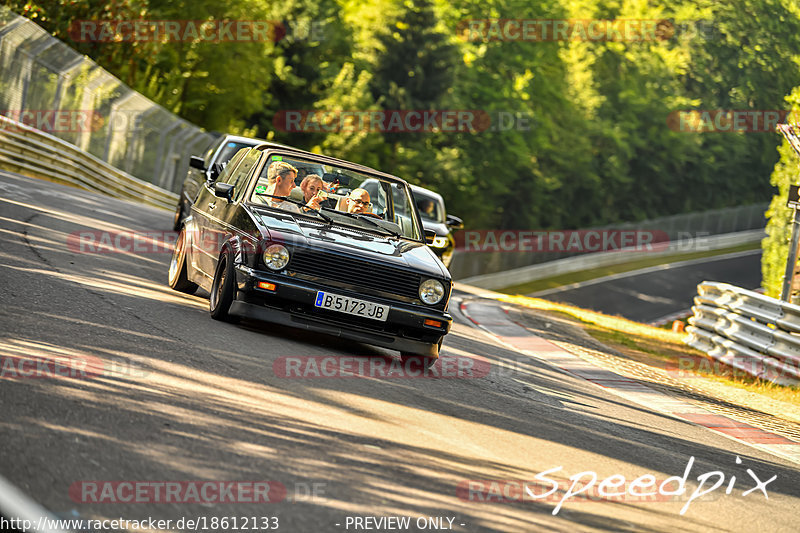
(360, 216)
(307, 209)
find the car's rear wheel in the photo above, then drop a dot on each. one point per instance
(223, 290)
(177, 219)
(177, 276)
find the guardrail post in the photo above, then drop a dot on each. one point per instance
(791, 259)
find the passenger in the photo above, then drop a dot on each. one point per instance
(427, 209)
(312, 186)
(280, 182)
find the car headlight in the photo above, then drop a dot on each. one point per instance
(276, 257)
(440, 242)
(431, 291)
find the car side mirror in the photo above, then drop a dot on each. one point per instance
(454, 222)
(197, 162)
(214, 172)
(430, 236)
(223, 190)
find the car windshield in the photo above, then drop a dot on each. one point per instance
(430, 209)
(230, 148)
(348, 197)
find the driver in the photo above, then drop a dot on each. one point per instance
(359, 202)
(280, 179)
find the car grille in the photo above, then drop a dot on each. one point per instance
(355, 272)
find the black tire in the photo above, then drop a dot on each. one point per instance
(223, 290)
(177, 220)
(177, 276)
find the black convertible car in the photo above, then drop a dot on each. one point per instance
(364, 274)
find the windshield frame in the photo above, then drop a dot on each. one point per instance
(267, 152)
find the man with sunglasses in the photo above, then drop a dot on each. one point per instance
(359, 202)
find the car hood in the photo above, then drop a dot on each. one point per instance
(347, 240)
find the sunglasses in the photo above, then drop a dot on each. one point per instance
(359, 202)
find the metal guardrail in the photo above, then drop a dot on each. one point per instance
(588, 261)
(46, 84)
(686, 231)
(31, 152)
(748, 331)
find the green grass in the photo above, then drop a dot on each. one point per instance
(653, 346)
(586, 275)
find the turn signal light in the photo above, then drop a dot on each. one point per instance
(266, 286)
(433, 323)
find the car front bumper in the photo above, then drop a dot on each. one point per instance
(292, 304)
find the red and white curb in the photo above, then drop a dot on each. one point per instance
(492, 318)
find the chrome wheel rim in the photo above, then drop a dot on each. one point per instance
(177, 258)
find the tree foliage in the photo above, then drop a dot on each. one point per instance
(581, 132)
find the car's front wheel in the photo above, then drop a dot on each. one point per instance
(177, 277)
(223, 289)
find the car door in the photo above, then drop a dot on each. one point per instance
(220, 211)
(204, 251)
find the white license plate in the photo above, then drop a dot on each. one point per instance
(351, 306)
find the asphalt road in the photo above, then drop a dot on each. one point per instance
(171, 396)
(653, 293)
